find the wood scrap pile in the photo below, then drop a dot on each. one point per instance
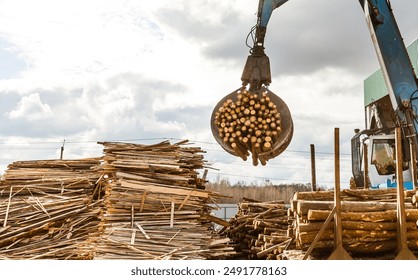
(259, 229)
(48, 209)
(155, 205)
(369, 221)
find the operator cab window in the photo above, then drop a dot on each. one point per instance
(383, 156)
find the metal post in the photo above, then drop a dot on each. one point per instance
(337, 202)
(366, 166)
(62, 150)
(205, 174)
(313, 168)
(413, 163)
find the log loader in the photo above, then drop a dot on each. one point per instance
(396, 109)
(236, 132)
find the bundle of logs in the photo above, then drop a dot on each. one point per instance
(252, 123)
(369, 221)
(155, 205)
(259, 229)
(48, 209)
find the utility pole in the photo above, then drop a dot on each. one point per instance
(62, 149)
(313, 168)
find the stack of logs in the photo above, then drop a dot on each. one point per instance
(259, 229)
(252, 123)
(369, 221)
(155, 205)
(48, 209)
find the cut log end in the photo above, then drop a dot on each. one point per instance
(251, 115)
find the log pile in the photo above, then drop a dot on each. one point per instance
(369, 221)
(259, 229)
(48, 209)
(251, 124)
(155, 205)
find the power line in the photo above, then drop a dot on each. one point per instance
(148, 139)
(276, 166)
(18, 146)
(35, 146)
(270, 178)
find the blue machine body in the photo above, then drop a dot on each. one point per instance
(394, 60)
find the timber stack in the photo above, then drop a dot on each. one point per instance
(49, 209)
(251, 124)
(155, 204)
(369, 221)
(259, 229)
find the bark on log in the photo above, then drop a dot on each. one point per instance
(371, 247)
(257, 227)
(346, 194)
(251, 123)
(361, 225)
(303, 206)
(385, 216)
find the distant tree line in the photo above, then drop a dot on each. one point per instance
(234, 193)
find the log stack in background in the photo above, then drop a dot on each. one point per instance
(414, 199)
(368, 221)
(251, 124)
(49, 209)
(155, 204)
(259, 229)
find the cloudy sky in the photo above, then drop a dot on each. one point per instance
(145, 71)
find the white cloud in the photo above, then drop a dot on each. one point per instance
(140, 69)
(31, 108)
(79, 39)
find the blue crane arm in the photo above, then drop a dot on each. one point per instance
(257, 67)
(265, 8)
(386, 37)
(393, 57)
(391, 52)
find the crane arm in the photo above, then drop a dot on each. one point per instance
(265, 9)
(256, 71)
(395, 63)
(393, 57)
(391, 52)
